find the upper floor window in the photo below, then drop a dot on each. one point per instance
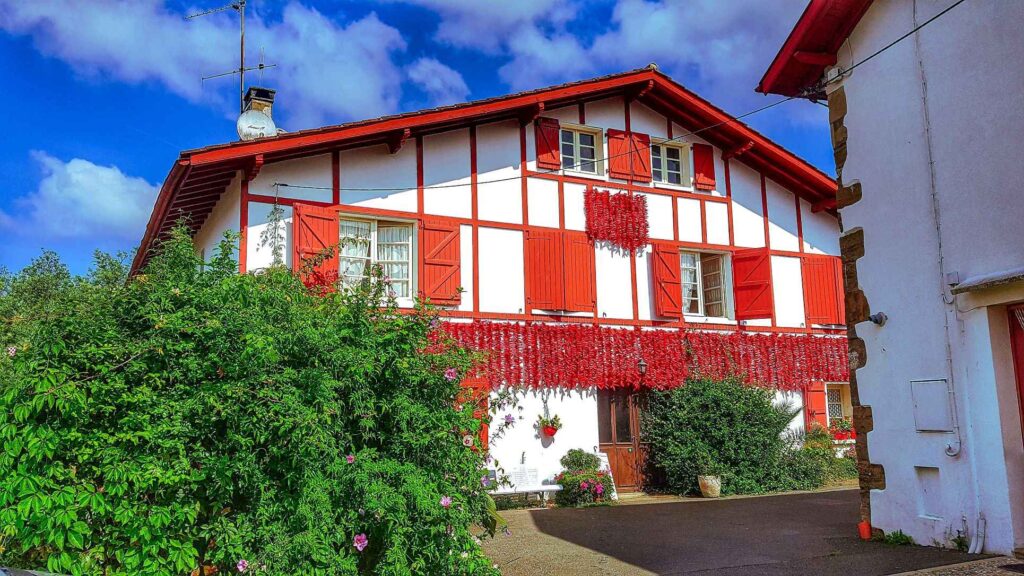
(368, 242)
(580, 149)
(670, 164)
(704, 283)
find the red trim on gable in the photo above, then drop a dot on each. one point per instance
(203, 174)
(812, 46)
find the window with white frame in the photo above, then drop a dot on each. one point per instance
(670, 164)
(368, 242)
(581, 149)
(704, 282)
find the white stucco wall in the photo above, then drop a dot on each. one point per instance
(446, 166)
(313, 172)
(374, 167)
(522, 445)
(939, 113)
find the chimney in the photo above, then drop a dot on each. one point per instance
(259, 99)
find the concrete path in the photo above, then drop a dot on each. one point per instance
(794, 534)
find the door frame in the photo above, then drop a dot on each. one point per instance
(635, 446)
(1016, 325)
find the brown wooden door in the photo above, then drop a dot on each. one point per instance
(618, 423)
(1016, 314)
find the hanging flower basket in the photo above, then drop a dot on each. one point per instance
(549, 426)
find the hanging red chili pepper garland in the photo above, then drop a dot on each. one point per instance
(620, 219)
(540, 355)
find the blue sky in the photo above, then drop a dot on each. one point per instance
(101, 95)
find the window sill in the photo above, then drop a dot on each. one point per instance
(588, 175)
(678, 188)
(696, 319)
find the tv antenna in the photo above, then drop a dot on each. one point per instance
(239, 7)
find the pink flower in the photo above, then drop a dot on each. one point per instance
(446, 501)
(509, 418)
(467, 440)
(360, 542)
(584, 485)
(387, 279)
(485, 481)
(350, 458)
(599, 489)
(451, 374)
(243, 565)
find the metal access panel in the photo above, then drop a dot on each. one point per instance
(933, 405)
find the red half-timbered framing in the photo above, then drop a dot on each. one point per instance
(559, 275)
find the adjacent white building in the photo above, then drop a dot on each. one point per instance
(926, 139)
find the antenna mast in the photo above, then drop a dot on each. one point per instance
(238, 6)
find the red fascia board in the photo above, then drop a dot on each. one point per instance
(776, 156)
(332, 135)
(811, 45)
(179, 172)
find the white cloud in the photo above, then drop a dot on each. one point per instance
(441, 83)
(326, 71)
(718, 49)
(79, 199)
(488, 26)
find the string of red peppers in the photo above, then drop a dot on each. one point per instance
(538, 355)
(620, 219)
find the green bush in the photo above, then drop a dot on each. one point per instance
(577, 459)
(723, 426)
(583, 487)
(192, 416)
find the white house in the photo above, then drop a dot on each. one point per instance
(609, 236)
(925, 135)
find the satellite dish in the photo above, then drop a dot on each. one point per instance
(253, 124)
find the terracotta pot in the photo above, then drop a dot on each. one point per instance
(710, 486)
(549, 431)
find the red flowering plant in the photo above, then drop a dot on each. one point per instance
(581, 480)
(842, 429)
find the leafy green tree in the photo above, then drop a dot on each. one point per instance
(191, 417)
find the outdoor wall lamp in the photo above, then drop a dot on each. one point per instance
(641, 367)
(878, 318)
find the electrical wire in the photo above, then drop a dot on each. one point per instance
(549, 171)
(817, 88)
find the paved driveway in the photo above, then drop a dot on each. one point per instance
(773, 535)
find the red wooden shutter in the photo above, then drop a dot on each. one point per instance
(703, 167)
(823, 290)
(668, 291)
(580, 275)
(640, 145)
(314, 230)
(816, 404)
(441, 261)
(619, 154)
(547, 134)
(544, 270)
(752, 277)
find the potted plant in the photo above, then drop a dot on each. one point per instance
(709, 476)
(842, 429)
(548, 426)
